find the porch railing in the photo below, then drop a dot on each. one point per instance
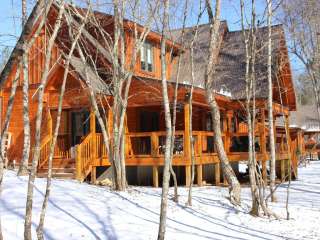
(61, 150)
(151, 145)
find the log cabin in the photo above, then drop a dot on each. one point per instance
(80, 152)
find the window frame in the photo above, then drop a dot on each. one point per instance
(144, 63)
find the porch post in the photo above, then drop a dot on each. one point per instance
(289, 145)
(93, 175)
(187, 142)
(49, 123)
(263, 145)
(155, 176)
(199, 174)
(228, 131)
(93, 134)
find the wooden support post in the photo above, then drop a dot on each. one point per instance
(154, 144)
(155, 176)
(93, 134)
(228, 132)
(127, 142)
(78, 163)
(263, 142)
(289, 144)
(187, 137)
(199, 174)
(187, 143)
(217, 174)
(93, 175)
(49, 123)
(188, 175)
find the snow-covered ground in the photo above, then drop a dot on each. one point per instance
(82, 211)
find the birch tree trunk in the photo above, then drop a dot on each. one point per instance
(41, 8)
(175, 100)
(192, 153)
(5, 129)
(257, 185)
(56, 130)
(270, 108)
(23, 169)
(122, 67)
(234, 185)
(166, 174)
(32, 175)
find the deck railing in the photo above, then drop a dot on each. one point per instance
(141, 146)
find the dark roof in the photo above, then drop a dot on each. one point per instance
(230, 70)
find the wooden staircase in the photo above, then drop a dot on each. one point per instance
(61, 168)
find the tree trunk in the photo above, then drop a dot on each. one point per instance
(56, 131)
(234, 185)
(167, 157)
(5, 129)
(23, 169)
(41, 9)
(270, 109)
(32, 175)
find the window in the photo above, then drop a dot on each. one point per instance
(146, 57)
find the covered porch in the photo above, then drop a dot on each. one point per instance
(145, 141)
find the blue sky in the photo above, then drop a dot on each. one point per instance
(10, 13)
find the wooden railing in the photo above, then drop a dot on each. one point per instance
(141, 146)
(62, 148)
(44, 151)
(84, 157)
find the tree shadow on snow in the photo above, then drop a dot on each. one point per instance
(108, 230)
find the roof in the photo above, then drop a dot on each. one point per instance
(306, 117)
(230, 69)
(86, 72)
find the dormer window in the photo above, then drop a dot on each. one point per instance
(146, 57)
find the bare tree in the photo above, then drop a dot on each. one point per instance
(175, 101)
(40, 92)
(113, 47)
(270, 108)
(5, 128)
(214, 20)
(192, 153)
(250, 38)
(23, 169)
(14, 64)
(74, 35)
(301, 19)
(166, 104)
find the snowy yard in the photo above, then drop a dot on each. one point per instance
(82, 211)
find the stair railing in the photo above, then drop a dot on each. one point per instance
(84, 158)
(44, 151)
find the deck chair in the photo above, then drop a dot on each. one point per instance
(4, 148)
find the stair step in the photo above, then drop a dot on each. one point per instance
(57, 170)
(58, 175)
(62, 168)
